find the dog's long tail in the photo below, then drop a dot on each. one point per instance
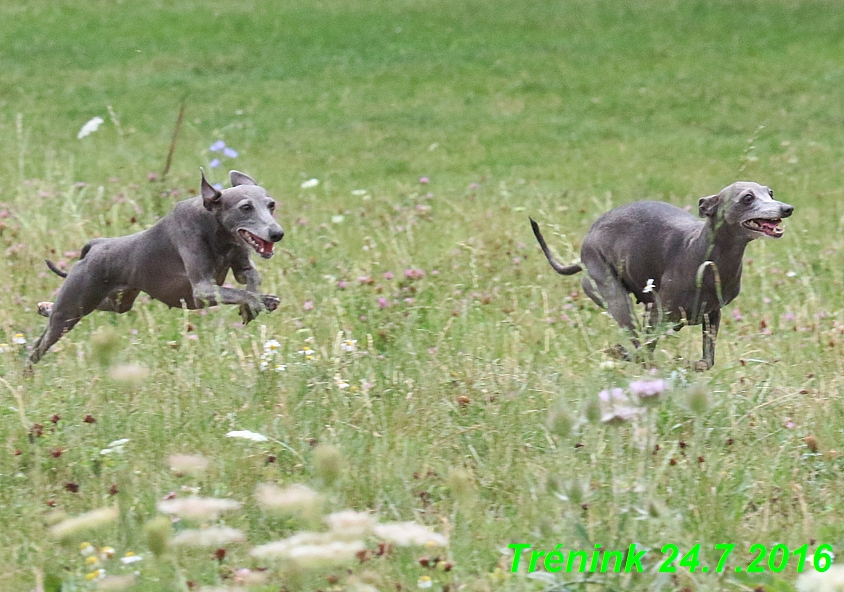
(558, 267)
(55, 269)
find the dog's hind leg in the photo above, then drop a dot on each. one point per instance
(80, 295)
(604, 287)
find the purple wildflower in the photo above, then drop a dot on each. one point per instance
(217, 146)
(647, 388)
(218, 186)
(214, 163)
(342, 285)
(309, 305)
(414, 274)
(382, 302)
(388, 275)
(230, 152)
(621, 414)
(612, 396)
(616, 406)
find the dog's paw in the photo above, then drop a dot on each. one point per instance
(270, 302)
(702, 365)
(618, 351)
(45, 308)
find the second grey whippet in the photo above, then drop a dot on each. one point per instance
(182, 260)
(685, 269)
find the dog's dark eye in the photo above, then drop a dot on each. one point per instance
(747, 199)
(271, 206)
(246, 208)
(771, 193)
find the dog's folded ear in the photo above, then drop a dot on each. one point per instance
(707, 206)
(210, 195)
(238, 178)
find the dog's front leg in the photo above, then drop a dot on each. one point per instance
(246, 274)
(710, 325)
(207, 292)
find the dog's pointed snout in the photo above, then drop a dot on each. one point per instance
(276, 234)
(787, 210)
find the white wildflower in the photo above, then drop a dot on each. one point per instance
(311, 549)
(831, 580)
(649, 287)
(115, 583)
(292, 498)
(188, 464)
(405, 534)
(131, 559)
(129, 373)
(198, 508)
(338, 218)
(349, 345)
(19, 339)
(115, 447)
(90, 127)
(263, 365)
(271, 346)
(4, 347)
(247, 435)
(349, 523)
(214, 536)
(280, 368)
(83, 522)
(341, 384)
(310, 183)
(359, 192)
(424, 582)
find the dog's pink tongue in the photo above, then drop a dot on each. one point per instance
(266, 246)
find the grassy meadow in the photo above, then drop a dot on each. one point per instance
(429, 364)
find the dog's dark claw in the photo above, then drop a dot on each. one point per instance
(247, 313)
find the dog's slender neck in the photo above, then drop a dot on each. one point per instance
(718, 243)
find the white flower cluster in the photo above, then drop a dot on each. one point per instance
(271, 348)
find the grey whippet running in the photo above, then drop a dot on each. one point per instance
(684, 268)
(182, 260)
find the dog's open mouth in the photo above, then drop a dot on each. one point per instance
(262, 247)
(768, 227)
